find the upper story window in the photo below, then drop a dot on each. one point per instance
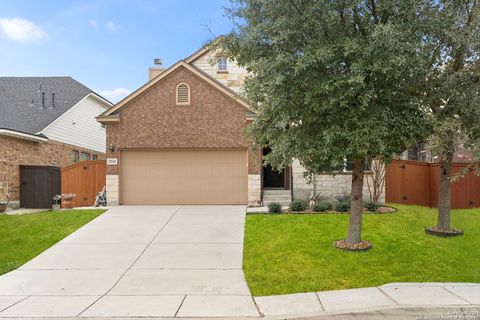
(182, 94)
(222, 64)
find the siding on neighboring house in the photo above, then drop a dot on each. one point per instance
(234, 76)
(78, 126)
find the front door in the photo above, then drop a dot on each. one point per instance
(271, 177)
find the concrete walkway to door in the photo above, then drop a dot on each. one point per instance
(138, 261)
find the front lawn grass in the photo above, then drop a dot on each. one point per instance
(290, 253)
(22, 237)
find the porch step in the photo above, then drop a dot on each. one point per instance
(284, 197)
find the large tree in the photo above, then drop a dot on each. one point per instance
(331, 81)
(452, 43)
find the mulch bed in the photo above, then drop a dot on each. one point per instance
(363, 245)
(381, 210)
(439, 232)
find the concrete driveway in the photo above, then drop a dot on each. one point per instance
(138, 261)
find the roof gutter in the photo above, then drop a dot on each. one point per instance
(112, 118)
(23, 135)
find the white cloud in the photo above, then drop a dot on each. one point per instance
(22, 30)
(93, 23)
(110, 25)
(115, 95)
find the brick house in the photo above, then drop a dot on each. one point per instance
(47, 121)
(179, 139)
(424, 152)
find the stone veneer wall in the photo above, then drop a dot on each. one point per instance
(112, 189)
(325, 184)
(15, 152)
(254, 189)
(232, 78)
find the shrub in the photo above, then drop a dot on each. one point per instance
(322, 207)
(343, 198)
(274, 207)
(343, 206)
(299, 205)
(372, 206)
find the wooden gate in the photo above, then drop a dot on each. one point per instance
(38, 186)
(85, 180)
(417, 183)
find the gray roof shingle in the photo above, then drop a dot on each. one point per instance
(21, 106)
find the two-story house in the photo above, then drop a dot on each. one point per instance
(179, 139)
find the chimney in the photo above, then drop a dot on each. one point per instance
(156, 70)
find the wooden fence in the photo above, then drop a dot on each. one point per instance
(417, 183)
(84, 179)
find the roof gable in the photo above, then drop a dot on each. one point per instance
(203, 50)
(29, 104)
(107, 115)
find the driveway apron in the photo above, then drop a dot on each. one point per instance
(138, 261)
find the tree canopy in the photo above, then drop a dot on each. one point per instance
(331, 80)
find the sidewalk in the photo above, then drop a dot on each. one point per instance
(435, 313)
(393, 295)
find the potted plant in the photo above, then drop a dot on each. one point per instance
(68, 200)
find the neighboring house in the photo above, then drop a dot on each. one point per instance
(47, 121)
(423, 152)
(179, 139)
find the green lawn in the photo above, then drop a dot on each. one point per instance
(294, 253)
(22, 237)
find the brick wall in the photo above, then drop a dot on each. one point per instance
(15, 152)
(153, 120)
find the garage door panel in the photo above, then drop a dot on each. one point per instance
(183, 177)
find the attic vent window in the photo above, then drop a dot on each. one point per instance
(183, 94)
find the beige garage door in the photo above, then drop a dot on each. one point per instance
(183, 177)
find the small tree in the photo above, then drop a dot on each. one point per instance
(452, 87)
(376, 180)
(330, 81)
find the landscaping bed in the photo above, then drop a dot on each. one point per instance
(22, 237)
(290, 253)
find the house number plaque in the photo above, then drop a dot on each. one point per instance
(112, 161)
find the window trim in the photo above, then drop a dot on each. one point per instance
(188, 94)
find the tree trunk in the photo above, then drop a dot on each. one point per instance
(445, 192)
(356, 208)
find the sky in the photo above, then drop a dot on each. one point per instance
(108, 45)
